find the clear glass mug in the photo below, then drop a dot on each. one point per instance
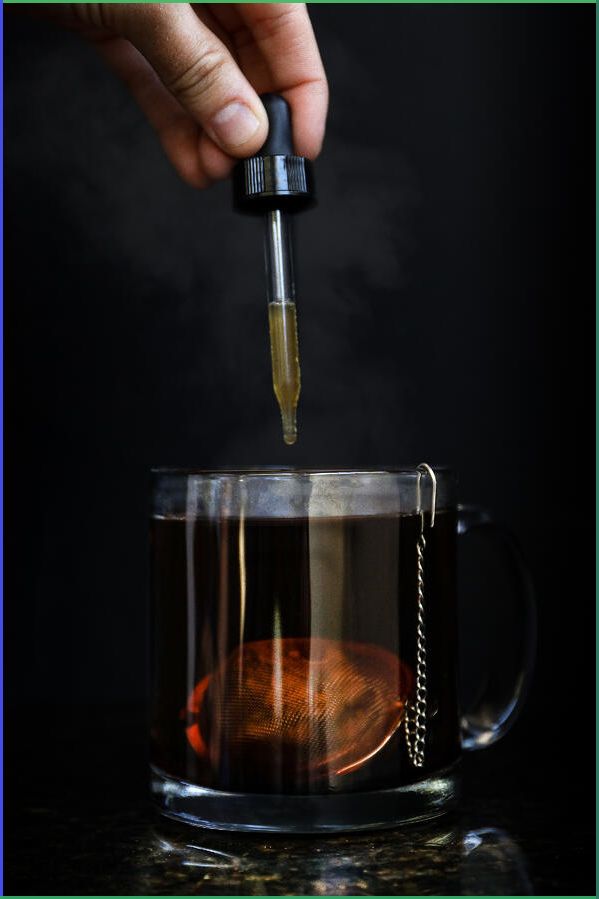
(305, 650)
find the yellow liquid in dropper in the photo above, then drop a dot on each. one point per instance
(285, 363)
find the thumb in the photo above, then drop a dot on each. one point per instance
(197, 68)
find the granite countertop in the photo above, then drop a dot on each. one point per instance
(78, 822)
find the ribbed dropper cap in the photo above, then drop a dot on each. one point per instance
(275, 178)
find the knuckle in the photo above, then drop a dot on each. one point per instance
(200, 76)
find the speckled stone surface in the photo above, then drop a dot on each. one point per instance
(79, 823)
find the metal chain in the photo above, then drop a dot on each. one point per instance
(415, 713)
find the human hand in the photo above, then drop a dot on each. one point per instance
(196, 70)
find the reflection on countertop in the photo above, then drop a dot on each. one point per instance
(438, 859)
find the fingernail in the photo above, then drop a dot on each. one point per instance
(235, 124)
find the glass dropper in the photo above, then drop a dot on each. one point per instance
(282, 318)
(275, 183)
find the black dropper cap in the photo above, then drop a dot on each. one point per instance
(275, 178)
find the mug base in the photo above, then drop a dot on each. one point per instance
(330, 813)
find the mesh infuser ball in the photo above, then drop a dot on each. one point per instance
(320, 705)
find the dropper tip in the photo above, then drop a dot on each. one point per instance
(289, 428)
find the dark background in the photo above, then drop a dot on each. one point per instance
(446, 285)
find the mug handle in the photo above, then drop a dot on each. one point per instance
(493, 715)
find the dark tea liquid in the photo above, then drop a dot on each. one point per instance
(285, 651)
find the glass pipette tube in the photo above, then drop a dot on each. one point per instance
(278, 254)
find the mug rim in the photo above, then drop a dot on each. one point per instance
(293, 471)
(296, 492)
